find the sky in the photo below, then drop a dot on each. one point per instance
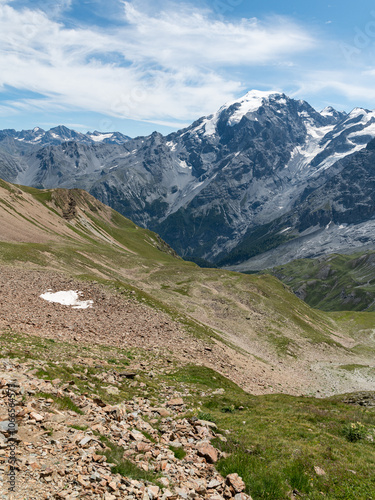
(137, 66)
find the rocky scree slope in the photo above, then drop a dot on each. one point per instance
(72, 445)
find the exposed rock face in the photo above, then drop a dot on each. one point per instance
(211, 188)
(337, 216)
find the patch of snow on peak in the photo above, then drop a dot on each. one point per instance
(359, 112)
(368, 130)
(172, 145)
(207, 126)
(183, 164)
(100, 137)
(249, 103)
(67, 298)
(210, 125)
(328, 111)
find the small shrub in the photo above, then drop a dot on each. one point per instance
(297, 476)
(228, 409)
(354, 431)
(179, 453)
(205, 416)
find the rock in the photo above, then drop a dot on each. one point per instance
(153, 492)
(36, 416)
(99, 402)
(235, 481)
(136, 435)
(112, 390)
(215, 496)
(85, 440)
(319, 471)
(143, 447)
(175, 402)
(214, 483)
(206, 423)
(113, 485)
(163, 412)
(82, 482)
(175, 444)
(208, 452)
(218, 392)
(130, 375)
(242, 496)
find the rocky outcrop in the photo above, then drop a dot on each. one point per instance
(62, 454)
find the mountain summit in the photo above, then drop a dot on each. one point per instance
(208, 189)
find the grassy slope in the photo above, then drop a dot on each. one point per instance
(333, 283)
(144, 263)
(274, 441)
(252, 312)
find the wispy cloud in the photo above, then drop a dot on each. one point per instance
(163, 68)
(346, 83)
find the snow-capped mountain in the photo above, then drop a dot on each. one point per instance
(60, 134)
(207, 187)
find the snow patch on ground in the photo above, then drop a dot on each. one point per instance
(67, 298)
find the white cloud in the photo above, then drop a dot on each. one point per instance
(344, 83)
(171, 65)
(190, 36)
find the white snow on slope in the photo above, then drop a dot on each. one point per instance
(251, 102)
(172, 145)
(100, 137)
(183, 164)
(67, 298)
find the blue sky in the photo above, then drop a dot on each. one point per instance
(138, 65)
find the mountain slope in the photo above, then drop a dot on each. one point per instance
(251, 328)
(207, 188)
(335, 217)
(333, 282)
(60, 134)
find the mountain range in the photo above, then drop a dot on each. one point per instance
(264, 180)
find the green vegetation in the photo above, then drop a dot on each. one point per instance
(179, 453)
(276, 442)
(355, 431)
(114, 455)
(62, 402)
(79, 427)
(333, 283)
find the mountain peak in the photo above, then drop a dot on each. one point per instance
(250, 103)
(260, 94)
